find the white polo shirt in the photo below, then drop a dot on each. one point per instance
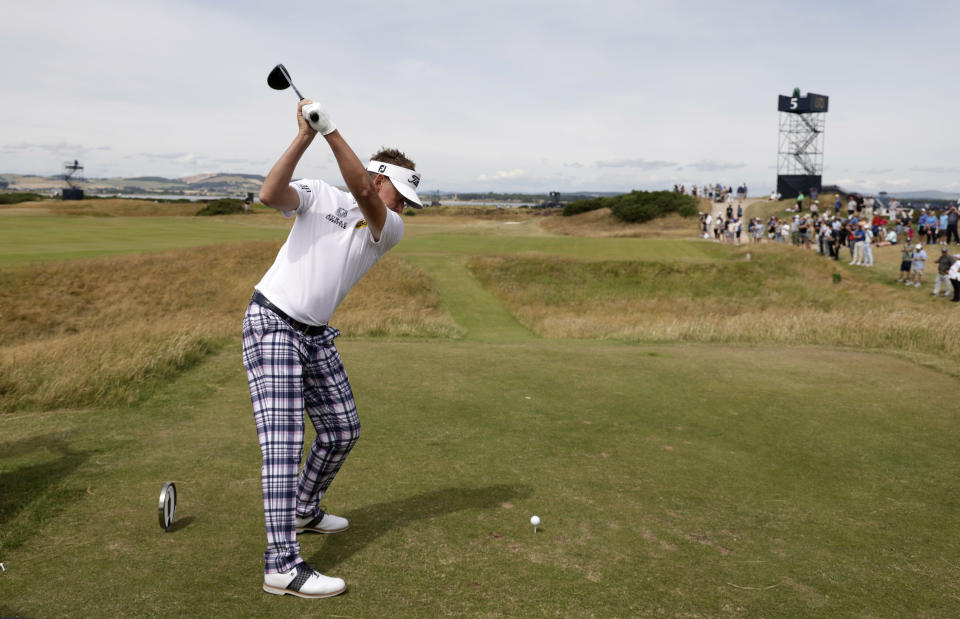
(328, 250)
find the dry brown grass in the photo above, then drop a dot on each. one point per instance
(105, 207)
(603, 223)
(780, 297)
(482, 212)
(76, 333)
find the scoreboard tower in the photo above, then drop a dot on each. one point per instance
(800, 151)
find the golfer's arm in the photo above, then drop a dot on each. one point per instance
(276, 191)
(359, 183)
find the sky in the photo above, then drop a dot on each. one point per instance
(503, 96)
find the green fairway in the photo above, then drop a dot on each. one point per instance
(41, 239)
(666, 479)
(702, 478)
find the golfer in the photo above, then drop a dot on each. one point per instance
(288, 351)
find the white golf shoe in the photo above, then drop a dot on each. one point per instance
(303, 581)
(322, 523)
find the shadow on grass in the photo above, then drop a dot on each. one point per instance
(32, 492)
(181, 523)
(372, 521)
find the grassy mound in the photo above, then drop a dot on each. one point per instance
(781, 296)
(104, 331)
(638, 206)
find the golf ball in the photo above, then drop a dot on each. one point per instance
(535, 520)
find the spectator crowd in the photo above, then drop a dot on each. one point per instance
(853, 229)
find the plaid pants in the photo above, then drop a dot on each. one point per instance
(288, 373)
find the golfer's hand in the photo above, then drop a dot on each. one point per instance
(305, 128)
(315, 117)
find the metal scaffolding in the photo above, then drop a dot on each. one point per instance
(801, 144)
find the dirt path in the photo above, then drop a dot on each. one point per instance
(720, 208)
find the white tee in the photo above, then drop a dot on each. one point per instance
(328, 250)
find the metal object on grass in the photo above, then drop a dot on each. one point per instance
(168, 505)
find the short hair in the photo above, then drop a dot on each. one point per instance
(394, 156)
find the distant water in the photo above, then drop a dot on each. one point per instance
(480, 203)
(157, 196)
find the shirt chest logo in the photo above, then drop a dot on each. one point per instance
(338, 219)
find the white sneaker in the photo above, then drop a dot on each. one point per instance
(322, 523)
(303, 581)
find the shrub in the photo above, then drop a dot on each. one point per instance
(225, 206)
(638, 206)
(19, 196)
(582, 206)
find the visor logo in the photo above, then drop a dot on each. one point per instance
(414, 180)
(382, 169)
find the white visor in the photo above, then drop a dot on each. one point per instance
(404, 179)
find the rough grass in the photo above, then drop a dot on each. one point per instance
(105, 207)
(103, 330)
(782, 296)
(603, 223)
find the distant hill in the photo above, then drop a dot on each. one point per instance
(931, 194)
(216, 184)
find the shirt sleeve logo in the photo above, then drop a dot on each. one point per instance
(304, 186)
(361, 224)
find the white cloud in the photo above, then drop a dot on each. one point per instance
(503, 175)
(621, 89)
(642, 164)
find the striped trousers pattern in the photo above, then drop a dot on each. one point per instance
(290, 373)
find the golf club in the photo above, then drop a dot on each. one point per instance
(167, 506)
(279, 79)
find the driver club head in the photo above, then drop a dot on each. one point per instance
(279, 79)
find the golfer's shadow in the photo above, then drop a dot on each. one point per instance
(372, 521)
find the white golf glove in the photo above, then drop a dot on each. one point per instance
(317, 118)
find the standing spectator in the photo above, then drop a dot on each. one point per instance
(784, 233)
(800, 202)
(955, 278)
(933, 223)
(858, 238)
(845, 237)
(944, 262)
(922, 225)
(906, 260)
(824, 240)
(806, 231)
(952, 215)
(836, 205)
(815, 208)
(868, 205)
(942, 223)
(918, 264)
(867, 246)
